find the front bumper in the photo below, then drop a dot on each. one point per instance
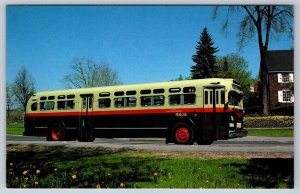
(233, 133)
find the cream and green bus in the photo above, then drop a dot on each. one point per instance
(183, 112)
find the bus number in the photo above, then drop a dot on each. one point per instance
(180, 114)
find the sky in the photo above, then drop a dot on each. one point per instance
(142, 43)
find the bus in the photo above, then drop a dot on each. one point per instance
(182, 112)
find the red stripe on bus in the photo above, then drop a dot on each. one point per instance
(125, 112)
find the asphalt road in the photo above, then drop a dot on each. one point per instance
(248, 144)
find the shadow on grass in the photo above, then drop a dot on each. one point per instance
(269, 172)
(64, 167)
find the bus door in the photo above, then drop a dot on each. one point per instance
(86, 125)
(214, 116)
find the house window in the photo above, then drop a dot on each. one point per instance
(285, 96)
(285, 78)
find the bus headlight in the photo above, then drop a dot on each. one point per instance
(232, 118)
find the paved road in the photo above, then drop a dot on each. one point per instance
(248, 144)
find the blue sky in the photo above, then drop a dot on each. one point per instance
(142, 43)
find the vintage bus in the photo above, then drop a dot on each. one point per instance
(183, 112)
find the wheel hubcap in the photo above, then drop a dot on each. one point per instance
(182, 135)
(56, 134)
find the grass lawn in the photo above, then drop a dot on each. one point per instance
(15, 128)
(284, 132)
(62, 167)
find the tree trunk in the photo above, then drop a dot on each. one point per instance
(263, 79)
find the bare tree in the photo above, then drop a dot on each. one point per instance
(86, 73)
(23, 87)
(10, 99)
(265, 20)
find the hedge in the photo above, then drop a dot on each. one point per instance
(268, 121)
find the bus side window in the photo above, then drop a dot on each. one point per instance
(119, 102)
(217, 97)
(70, 104)
(158, 100)
(174, 99)
(48, 105)
(146, 101)
(130, 101)
(189, 99)
(34, 106)
(60, 105)
(104, 103)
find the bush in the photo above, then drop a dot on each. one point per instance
(268, 121)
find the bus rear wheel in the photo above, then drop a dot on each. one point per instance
(183, 134)
(56, 133)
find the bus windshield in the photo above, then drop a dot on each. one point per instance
(234, 98)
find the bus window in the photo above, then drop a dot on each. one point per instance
(119, 102)
(146, 101)
(222, 97)
(174, 99)
(210, 97)
(71, 96)
(173, 90)
(189, 90)
(120, 93)
(48, 105)
(61, 97)
(217, 97)
(104, 94)
(158, 100)
(206, 97)
(234, 98)
(51, 97)
(131, 101)
(145, 91)
(62, 105)
(70, 104)
(104, 103)
(34, 106)
(158, 91)
(189, 99)
(132, 92)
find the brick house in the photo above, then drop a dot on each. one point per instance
(280, 78)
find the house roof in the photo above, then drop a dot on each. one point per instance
(280, 61)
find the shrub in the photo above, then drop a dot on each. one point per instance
(268, 121)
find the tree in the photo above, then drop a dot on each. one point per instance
(10, 99)
(86, 73)
(23, 87)
(204, 58)
(180, 78)
(265, 20)
(235, 66)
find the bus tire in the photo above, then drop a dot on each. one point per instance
(56, 132)
(183, 134)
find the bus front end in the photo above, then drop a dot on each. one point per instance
(235, 113)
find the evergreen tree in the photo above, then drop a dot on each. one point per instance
(204, 58)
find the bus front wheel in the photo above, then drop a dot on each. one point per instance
(56, 133)
(183, 134)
